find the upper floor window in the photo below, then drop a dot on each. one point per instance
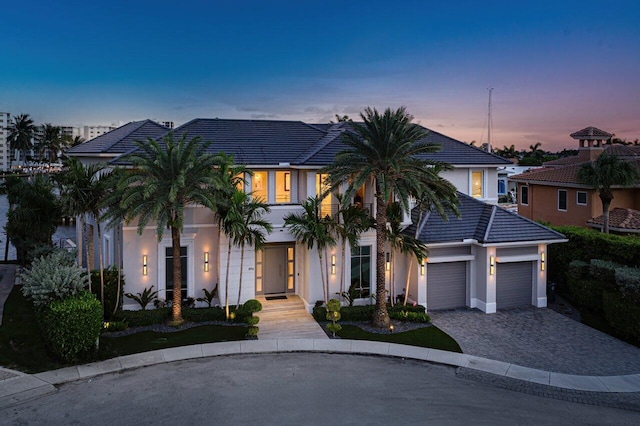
(283, 187)
(476, 184)
(562, 199)
(581, 198)
(259, 185)
(524, 195)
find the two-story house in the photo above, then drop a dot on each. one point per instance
(487, 258)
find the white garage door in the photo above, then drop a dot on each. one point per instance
(513, 284)
(446, 285)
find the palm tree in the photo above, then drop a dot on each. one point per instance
(21, 133)
(71, 141)
(83, 190)
(312, 229)
(51, 141)
(602, 175)
(244, 225)
(166, 177)
(351, 221)
(391, 150)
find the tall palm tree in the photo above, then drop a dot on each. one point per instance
(245, 225)
(351, 222)
(310, 228)
(83, 190)
(392, 151)
(21, 134)
(603, 175)
(166, 178)
(51, 141)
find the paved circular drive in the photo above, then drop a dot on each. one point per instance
(539, 338)
(296, 389)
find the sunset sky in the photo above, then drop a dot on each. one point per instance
(555, 66)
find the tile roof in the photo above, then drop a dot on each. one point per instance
(485, 223)
(120, 140)
(591, 133)
(269, 142)
(562, 175)
(574, 159)
(619, 219)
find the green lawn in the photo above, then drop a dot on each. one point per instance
(426, 337)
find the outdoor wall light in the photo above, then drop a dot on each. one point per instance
(422, 267)
(206, 261)
(144, 264)
(388, 263)
(333, 264)
(542, 261)
(492, 265)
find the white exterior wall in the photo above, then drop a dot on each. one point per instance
(460, 177)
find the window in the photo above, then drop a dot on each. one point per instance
(581, 198)
(476, 184)
(562, 199)
(169, 272)
(361, 270)
(502, 187)
(321, 188)
(524, 195)
(283, 187)
(259, 185)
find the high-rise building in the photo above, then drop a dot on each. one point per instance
(90, 132)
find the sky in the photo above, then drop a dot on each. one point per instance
(555, 66)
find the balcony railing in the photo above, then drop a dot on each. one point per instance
(331, 209)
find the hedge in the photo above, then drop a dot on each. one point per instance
(71, 326)
(586, 244)
(623, 316)
(586, 293)
(365, 313)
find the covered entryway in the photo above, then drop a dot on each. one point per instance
(446, 285)
(275, 270)
(514, 284)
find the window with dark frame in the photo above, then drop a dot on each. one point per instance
(562, 199)
(524, 195)
(581, 198)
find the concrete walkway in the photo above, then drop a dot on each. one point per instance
(287, 319)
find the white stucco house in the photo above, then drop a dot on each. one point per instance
(487, 258)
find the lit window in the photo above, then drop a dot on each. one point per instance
(321, 188)
(259, 185)
(283, 187)
(581, 198)
(562, 199)
(476, 184)
(361, 270)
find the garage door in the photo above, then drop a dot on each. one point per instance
(513, 284)
(446, 285)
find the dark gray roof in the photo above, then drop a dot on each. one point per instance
(482, 222)
(120, 140)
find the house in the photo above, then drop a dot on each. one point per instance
(487, 258)
(554, 193)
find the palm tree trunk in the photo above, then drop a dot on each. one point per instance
(176, 309)
(380, 314)
(392, 276)
(343, 266)
(100, 264)
(322, 277)
(6, 243)
(118, 263)
(606, 203)
(240, 282)
(85, 237)
(226, 281)
(406, 287)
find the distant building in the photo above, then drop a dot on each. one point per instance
(5, 152)
(90, 132)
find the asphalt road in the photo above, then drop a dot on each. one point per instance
(299, 389)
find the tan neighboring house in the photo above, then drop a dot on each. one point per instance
(554, 194)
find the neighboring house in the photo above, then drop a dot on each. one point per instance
(488, 258)
(554, 193)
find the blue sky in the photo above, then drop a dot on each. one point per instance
(555, 67)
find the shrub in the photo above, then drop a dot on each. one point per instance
(604, 271)
(209, 296)
(54, 277)
(143, 318)
(143, 299)
(410, 316)
(203, 314)
(253, 331)
(628, 282)
(251, 306)
(623, 316)
(579, 269)
(114, 326)
(586, 293)
(72, 326)
(364, 313)
(252, 320)
(110, 289)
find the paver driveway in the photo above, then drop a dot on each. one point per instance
(539, 338)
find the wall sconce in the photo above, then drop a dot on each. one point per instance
(388, 262)
(144, 264)
(492, 265)
(422, 267)
(333, 264)
(542, 261)
(206, 261)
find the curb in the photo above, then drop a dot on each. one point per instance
(23, 386)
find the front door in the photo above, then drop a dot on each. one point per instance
(275, 270)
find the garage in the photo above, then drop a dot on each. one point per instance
(514, 284)
(446, 285)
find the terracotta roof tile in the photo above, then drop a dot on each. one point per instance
(619, 218)
(564, 175)
(591, 133)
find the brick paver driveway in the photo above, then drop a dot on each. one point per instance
(539, 338)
